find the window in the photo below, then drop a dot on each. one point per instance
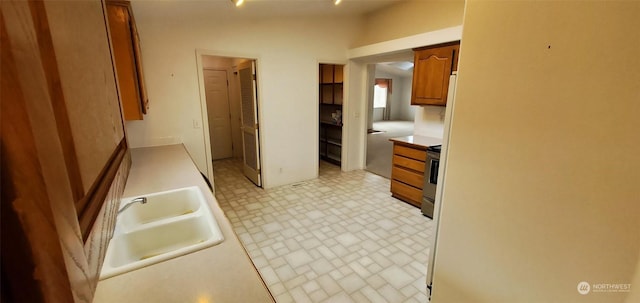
(379, 96)
(381, 91)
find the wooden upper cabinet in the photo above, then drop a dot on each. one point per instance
(331, 84)
(88, 106)
(338, 74)
(432, 68)
(326, 73)
(64, 151)
(126, 49)
(88, 84)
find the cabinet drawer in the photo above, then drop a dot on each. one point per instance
(420, 155)
(408, 163)
(407, 176)
(406, 193)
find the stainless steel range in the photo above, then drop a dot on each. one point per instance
(430, 180)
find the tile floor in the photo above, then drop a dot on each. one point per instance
(339, 238)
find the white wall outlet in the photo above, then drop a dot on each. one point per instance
(196, 123)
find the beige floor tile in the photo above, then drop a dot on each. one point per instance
(338, 238)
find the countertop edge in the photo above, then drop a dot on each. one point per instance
(417, 141)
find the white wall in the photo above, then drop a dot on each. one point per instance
(406, 111)
(400, 102)
(378, 114)
(287, 53)
(410, 17)
(429, 121)
(541, 188)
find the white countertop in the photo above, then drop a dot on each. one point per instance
(421, 141)
(222, 273)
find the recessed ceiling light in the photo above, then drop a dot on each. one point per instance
(237, 2)
(337, 2)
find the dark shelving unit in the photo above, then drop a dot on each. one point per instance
(331, 96)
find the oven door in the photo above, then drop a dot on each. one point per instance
(430, 181)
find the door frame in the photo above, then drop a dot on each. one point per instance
(203, 106)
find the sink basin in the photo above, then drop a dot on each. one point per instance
(169, 225)
(160, 206)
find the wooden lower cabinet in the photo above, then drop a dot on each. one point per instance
(407, 193)
(407, 173)
(407, 176)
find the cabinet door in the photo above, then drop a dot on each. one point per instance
(338, 74)
(126, 52)
(331, 84)
(432, 68)
(137, 55)
(80, 44)
(81, 48)
(64, 150)
(326, 71)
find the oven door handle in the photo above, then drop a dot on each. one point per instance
(433, 171)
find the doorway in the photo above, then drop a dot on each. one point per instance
(390, 113)
(216, 86)
(229, 105)
(331, 95)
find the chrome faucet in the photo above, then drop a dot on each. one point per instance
(142, 200)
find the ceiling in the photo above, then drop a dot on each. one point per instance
(258, 8)
(398, 68)
(251, 9)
